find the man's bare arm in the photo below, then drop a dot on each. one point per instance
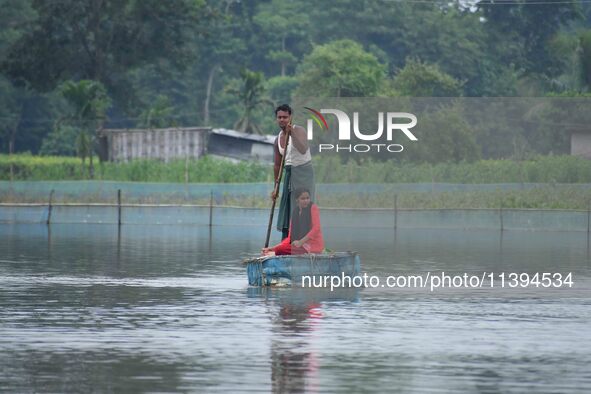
(299, 138)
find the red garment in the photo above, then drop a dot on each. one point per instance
(288, 249)
(315, 243)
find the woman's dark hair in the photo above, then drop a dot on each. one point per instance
(299, 191)
(301, 221)
(283, 107)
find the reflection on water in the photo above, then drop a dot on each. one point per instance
(294, 361)
(167, 309)
(294, 368)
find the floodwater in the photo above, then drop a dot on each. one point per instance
(167, 309)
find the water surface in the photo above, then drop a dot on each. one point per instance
(167, 308)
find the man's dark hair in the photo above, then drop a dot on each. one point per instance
(283, 107)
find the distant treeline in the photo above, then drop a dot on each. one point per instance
(70, 67)
(542, 169)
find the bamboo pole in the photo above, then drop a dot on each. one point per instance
(276, 190)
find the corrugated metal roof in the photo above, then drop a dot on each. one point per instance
(266, 139)
(193, 129)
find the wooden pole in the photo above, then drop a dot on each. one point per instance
(186, 169)
(588, 217)
(119, 207)
(276, 190)
(50, 207)
(501, 216)
(187, 177)
(588, 225)
(210, 208)
(395, 211)
(10, 149)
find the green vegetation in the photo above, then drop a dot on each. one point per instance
(207, 170)
(542, 169)
(340, 69)
(425, 80)
(216, 62)
(560, 178)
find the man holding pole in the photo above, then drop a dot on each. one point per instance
(297, 165)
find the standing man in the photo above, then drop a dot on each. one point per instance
(298, 165)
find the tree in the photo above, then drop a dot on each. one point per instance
(382, 23)
(25, 116)
(585, 56)
(435, 32)
(279, 21)
(340, 69)
(526, 29)
(158, 115)
(454, 38)
(16, 19)
(425, 80)
(89, 102)
(61, 141)
(250, 92)
(445, 136)
(281, 88)
(221, 46)
(101, 40)
(11, 109)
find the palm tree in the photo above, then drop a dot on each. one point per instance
(89, 102)
(251, 97)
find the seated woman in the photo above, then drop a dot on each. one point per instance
(305, 235)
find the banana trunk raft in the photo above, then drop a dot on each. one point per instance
(289, 269)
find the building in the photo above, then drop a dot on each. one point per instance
(183, 142)
(164, 144)
(580, 143)
(236, 145)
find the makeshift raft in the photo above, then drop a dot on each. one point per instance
(288, 270)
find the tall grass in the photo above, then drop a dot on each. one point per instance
(542, 169)
(205, 170)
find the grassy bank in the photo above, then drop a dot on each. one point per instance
(543, 169)
(206, 170)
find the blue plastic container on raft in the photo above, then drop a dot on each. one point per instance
(285, 270)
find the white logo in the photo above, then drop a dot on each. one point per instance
(344, 130)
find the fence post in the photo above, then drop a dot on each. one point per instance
(588, 217)
(186, 177)
(119, 207)
(210, 208)
(395, 211)
(501, 215)
(50, 207)
(187, 169)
